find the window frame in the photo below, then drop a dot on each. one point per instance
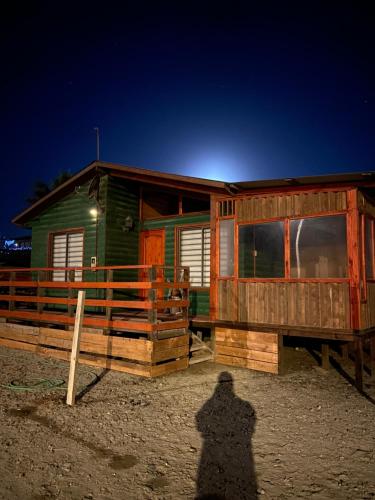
(237, 248)
(287, 249)
(365, 216)
(178, 232)
(51, 236)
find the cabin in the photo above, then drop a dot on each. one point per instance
(161, 254)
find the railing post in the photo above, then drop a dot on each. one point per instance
(40, 291)
(71, 275)
(109, 296)
(152, 297)
(186, 291)
(12, 291)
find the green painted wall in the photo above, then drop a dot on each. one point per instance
(199, 299)
(122, 246)
(73, 211)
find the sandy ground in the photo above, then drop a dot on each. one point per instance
(306, 434)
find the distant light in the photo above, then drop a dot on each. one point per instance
(94, 212)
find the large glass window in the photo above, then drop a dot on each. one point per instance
(318, 247)
(261, 250)
(369, 248)
(226, 267)
(195, 253)
(67, 251)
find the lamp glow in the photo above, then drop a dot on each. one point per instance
(93, 212)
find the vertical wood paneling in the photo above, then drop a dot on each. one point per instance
(298, 204)
(368, 308)
(320, 305)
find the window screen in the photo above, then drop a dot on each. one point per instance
(67, 251)
(261, 250)
(318, 247)
(226, 267)
(195, 253)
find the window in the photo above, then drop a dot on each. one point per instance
(67, 251)
(318, 247)
(195, 253)
(261, 250)
(369, 248)
(226, 260)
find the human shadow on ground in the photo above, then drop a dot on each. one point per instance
(227, 423)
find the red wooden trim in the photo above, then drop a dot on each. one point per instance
(354, 257)
(146, 285)
(213, 258)
(363, 288)
(295, 280)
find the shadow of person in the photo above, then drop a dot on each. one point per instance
(226, 422)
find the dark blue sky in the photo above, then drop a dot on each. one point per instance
(234, 91)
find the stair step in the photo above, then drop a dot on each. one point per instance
(198, 347)
(201, 359)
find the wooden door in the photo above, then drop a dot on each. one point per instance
(152, 252)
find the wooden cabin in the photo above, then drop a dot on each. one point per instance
(267, 259)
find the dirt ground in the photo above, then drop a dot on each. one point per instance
(306, 434)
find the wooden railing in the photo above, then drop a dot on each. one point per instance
(149, 305)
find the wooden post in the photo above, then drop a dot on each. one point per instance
(40, 292)
(152, 313)
(280, 353)
(345, 351)
(71, 277)
(71, 394)
(109, 296)
(358, 346)
(325, 356)
(372, 358)
(12, 291)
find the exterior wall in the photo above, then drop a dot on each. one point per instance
(367, 308)
(122, 246)
(318, 302)
(199, 299)
(73, 211)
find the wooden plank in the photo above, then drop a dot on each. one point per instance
(247, 363)
(169, 325)
(270, 357)
(19, 336)
(14, 344)
(235, 335)
(91, 360)
(161, 345)
(71, 392)
(166, 368)
(173, 353)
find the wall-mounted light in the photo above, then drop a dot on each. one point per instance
(93, 212)
(128, 224)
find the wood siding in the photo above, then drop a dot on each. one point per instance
(321, 305)
(368, 308)
(227, 300)
(291, 205)
(247, 349)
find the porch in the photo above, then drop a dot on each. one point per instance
(136, 317)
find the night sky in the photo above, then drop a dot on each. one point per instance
(234, 91)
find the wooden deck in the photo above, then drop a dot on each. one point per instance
(146, 334)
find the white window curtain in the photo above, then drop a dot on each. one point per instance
(195, 253)
(67, 251)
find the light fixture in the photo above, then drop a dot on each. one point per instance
(93, 212)
(128, 224)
